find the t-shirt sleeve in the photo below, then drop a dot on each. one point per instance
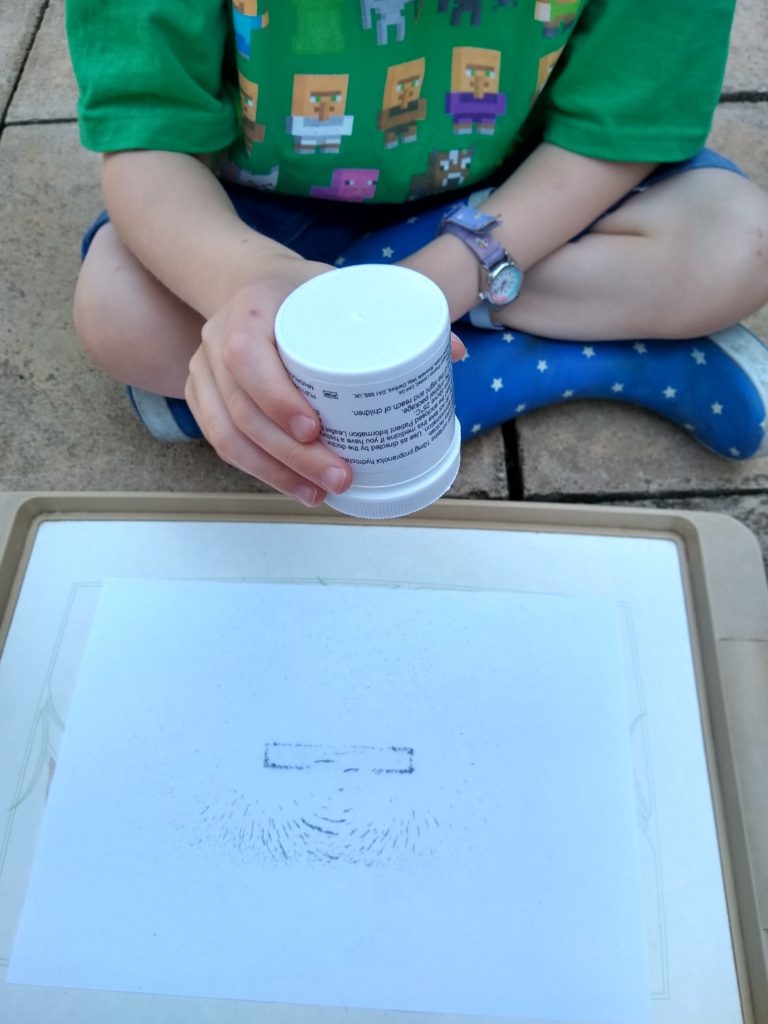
(640, 79)
(150, 74)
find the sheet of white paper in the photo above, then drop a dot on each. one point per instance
(345, 795)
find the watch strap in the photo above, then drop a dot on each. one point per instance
(480, 316)
(486, 248)
(475, 230)
(470, 218)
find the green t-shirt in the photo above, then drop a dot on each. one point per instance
(390, 100)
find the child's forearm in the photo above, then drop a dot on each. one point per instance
(173, 214)
(549, 199)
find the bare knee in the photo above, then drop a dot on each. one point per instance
(740, 231)
(709, 229)
(128, 323)
(99, 319)
(729, 266)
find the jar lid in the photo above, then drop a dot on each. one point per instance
(361, 323)
(400, 499)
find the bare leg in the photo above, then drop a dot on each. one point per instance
(129, 324)
(683, 259)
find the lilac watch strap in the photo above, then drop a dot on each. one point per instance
(465, 223)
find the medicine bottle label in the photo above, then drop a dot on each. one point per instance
(403, 423)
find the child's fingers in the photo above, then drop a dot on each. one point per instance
(458, 348)
(251, 358)
(242, 435)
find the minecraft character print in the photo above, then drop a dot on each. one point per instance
(318, 119)
(474, 101)
(474, 8)
(249, 99)
(266, 181)
(249, 16)
(349, 185)
(385, 14)
(402, 105)
(446, 169)
(556, 15)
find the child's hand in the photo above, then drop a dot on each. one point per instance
(246, 404)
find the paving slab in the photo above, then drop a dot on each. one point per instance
(47, 90)
(740, 131)
(64, 424)
(591, 449)
(747, 68)
(483, 471)
(18, 21)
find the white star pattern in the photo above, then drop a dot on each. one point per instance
(568, 393)
(689, 426)
(497, 384)
(764, 425)
(669, 392)
(588, 351)
(616, 388)
(340, 261)
(465, 357)
(640, 348)
(698, 357)
(541, 366)
(387, 252)
(411, 220)
(520, 408)
(507, 336)
(734, 452)
(716, 408)
(476, 428)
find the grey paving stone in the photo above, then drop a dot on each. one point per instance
(483, 472)
(740, 131)
(47, 89)
(64, 425)
(17, 27)
(747, 68)
(592, 449)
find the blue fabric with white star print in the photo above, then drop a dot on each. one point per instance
(695, 384)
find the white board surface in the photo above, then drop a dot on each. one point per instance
(688, 948)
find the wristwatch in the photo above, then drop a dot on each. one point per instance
(500, 277)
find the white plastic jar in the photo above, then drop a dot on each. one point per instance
(369, 348)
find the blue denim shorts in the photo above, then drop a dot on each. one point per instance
(319, 229)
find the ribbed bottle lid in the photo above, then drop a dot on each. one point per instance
(393, 500)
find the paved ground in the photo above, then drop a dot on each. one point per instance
(64, 426)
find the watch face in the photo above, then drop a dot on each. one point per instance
(504, 284)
